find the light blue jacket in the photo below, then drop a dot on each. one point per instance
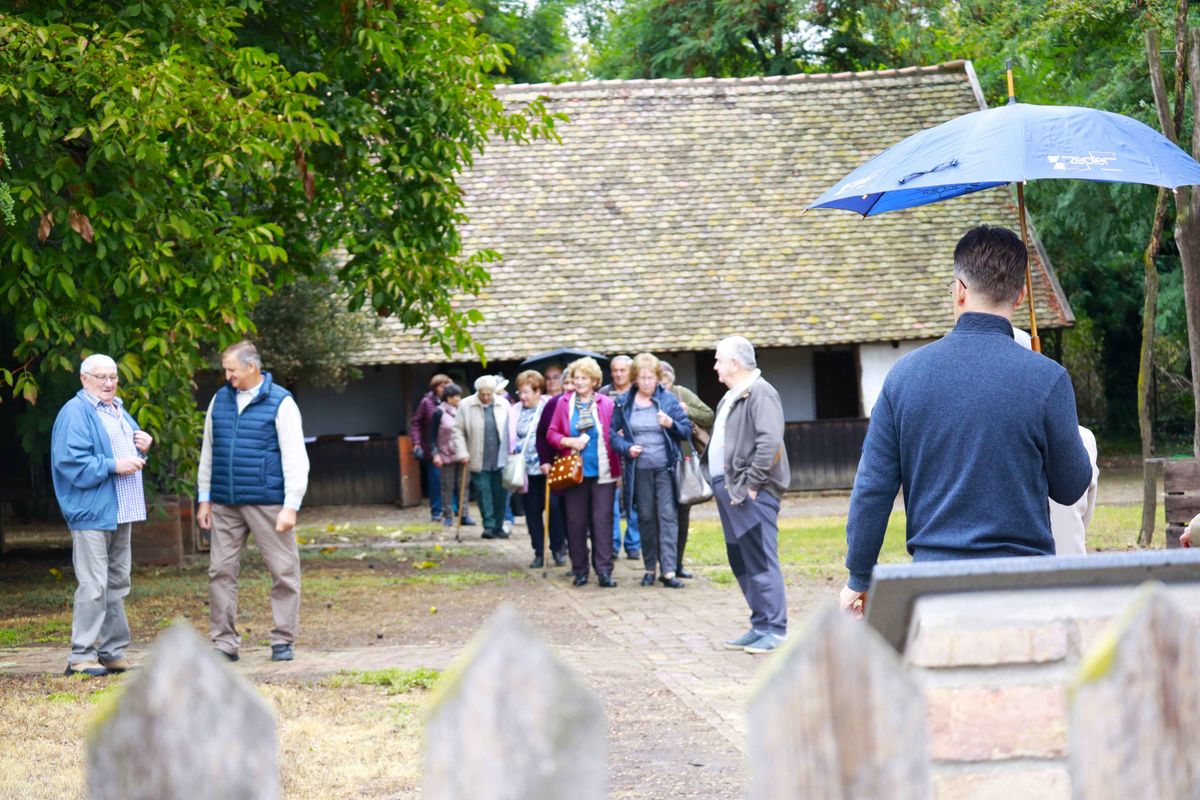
(83, 467)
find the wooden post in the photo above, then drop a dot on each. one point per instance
(1134, 727)
(184, 726)
(512, 722)
(835, 716)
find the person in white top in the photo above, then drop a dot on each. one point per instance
(252, 477)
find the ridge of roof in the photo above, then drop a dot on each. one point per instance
(960, 66)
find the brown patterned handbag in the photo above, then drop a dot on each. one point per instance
(565, 472)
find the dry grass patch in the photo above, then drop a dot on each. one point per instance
(346, 741)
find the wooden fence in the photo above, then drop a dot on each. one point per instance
(835, 716)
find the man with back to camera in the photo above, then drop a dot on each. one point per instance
(253, 474)
(976, 429)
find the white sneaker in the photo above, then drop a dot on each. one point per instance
(507, 527)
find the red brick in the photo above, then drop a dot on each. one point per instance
(995, 723)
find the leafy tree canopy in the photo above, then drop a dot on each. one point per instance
(172, 163)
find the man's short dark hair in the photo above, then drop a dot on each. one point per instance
(991, 261)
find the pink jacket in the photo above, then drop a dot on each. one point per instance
(444, 435)
(560, 428)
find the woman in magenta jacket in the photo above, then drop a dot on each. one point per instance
(583, 423)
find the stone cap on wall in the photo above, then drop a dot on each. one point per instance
(896, 587)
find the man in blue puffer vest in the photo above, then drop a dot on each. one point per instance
(252, 477)
(97, 452)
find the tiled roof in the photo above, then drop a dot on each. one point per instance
(670, 216)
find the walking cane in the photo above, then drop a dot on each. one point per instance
(462, 500)
(546, 533)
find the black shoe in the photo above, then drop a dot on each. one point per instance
(605, 580)
(227, 656)
(282, 652)
(466, 520)
(683, 573)
(489, 533)
(648, 579)
(671, 583)
(633, 555)
(580, 580)
(537, 563)
(500, 533)
(560, 559)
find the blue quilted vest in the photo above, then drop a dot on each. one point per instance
(247, 468)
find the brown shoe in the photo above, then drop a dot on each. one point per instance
(116, 664)
(88, 668)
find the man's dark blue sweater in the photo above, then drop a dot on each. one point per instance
(979, 432)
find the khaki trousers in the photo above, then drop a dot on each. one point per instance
(231, 525)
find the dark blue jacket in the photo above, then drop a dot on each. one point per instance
(247, 467)
(679, 432)
(978, 431)
(83, 467)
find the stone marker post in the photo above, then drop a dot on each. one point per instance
(184, 726)
(512, 722)
(836, 717)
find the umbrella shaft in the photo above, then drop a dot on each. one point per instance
(1035, 340)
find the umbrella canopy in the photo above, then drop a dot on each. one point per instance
(563, 355)
(1015, 142)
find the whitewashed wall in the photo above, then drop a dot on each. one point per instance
(875, 361)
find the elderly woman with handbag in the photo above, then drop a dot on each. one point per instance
(583, 426)
(654, 424)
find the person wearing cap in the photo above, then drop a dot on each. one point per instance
(97, 453)
(481, 432)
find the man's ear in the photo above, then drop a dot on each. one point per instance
(1020, 297)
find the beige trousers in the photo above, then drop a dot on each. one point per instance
(231, 525)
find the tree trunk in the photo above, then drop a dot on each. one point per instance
(1146, 371)
(1187, 236)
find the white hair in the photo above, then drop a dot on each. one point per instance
(620, 360)
(739, 349)
(95, 361)
(485, 383)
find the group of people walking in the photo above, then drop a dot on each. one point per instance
(629, 436)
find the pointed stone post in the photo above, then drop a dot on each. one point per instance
(1135, 705)
(835, 716)
(512, 722)
(184, 726)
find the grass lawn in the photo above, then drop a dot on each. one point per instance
(816, 546)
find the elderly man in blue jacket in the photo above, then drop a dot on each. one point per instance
(97, 452)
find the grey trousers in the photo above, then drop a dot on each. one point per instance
(231, 526)
(658, 522)
(101, 560)
(752, 542)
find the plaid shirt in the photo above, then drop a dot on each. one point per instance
(131, 500)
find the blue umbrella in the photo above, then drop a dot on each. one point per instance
(1016, 142)
(1013, 143)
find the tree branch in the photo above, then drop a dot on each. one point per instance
(1162, 103)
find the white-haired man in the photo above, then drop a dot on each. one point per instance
(749, 469)
(481, 431)
(252, 477)
(97, 452)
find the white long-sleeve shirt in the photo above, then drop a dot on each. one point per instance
(288, 427)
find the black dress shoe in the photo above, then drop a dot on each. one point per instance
(605, 580)
(537, 563)
(682, 572)
(488, 533)
(560, 559)
(671, 583)
(648, 579)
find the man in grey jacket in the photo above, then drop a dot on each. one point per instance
(749, 470)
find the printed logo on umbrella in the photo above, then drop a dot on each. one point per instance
(1103, 161)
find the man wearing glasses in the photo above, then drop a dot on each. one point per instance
(97, 452)
(252, 476)
(976, 429)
